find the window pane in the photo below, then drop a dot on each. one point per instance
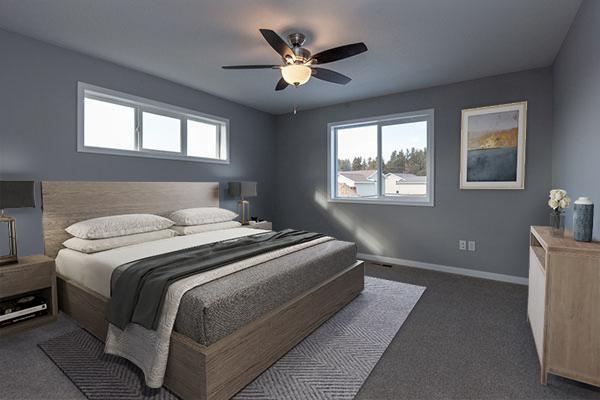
(202, 139)
(223, 148)
(357, 162)
(161, 132)
(108, 125)
(404, 153)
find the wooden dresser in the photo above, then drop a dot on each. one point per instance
(564, 305)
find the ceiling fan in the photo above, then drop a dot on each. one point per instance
(298, 63)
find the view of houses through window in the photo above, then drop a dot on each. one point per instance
(404, 152)
(402, 145)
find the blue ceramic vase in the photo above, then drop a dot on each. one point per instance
(583, 219)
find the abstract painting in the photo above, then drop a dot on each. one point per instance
(493, 147)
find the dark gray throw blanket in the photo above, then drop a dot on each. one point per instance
(139, 291)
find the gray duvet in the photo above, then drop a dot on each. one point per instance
(216, 309)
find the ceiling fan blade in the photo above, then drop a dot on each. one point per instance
(282, 84)
(249, 66)
(277, 43)
(339, 53)
(330, 76)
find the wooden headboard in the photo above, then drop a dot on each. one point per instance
(64, 203)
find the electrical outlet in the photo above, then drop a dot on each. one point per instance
(471, 245)
(462, 244)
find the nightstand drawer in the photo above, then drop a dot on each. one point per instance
(25, 278)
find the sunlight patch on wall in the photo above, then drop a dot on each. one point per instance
(363, 236)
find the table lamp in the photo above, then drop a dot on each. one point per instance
(14, 194)
(242, 190)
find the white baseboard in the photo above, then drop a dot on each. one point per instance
(444, 268)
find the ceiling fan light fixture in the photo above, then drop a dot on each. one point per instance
(298, 62)
(296, 74)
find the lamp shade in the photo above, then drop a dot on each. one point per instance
(242, 189)
(16, 194)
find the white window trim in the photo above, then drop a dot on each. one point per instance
(143, 104)
(420, 115)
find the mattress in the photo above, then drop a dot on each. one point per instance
(214, 310)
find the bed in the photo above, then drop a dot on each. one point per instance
(221, 340)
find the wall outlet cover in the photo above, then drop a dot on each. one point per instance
(462, 244)
(471, 245)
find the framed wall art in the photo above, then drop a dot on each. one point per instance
(492, 150)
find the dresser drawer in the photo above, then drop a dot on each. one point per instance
(536, 301)
(26, 278)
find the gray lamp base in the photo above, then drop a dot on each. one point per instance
(11, 257)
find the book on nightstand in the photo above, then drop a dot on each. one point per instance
(22, 309)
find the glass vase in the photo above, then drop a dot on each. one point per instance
(557, 223)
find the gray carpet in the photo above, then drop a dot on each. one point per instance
(466, 339)
(25, 371)
(332, 363)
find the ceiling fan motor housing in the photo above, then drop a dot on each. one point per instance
(296, 39)
(301, 54)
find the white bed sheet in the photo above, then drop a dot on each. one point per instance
(93, 271)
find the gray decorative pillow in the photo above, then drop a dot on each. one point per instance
(95, 245)
(202, 215)
(118, 225)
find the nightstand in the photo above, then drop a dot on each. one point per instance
(268, 225)
(35, 275)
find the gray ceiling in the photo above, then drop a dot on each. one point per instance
(412, 43)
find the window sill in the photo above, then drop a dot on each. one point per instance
(421, 203)
(149, 154)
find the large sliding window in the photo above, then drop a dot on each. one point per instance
(112, 122)
(382, 160)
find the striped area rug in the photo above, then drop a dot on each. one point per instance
(332, 363)
(80, 356)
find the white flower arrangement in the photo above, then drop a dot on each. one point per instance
(559, 200)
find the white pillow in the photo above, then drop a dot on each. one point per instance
(190, 230)
(118, 225)
(202, 215)
(95, 245)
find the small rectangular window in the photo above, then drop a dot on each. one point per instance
(112, 122)
(202, 139)
(161, 133)
(109, 125)
(384, 160)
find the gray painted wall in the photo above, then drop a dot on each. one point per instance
(38, 141)
(498, 220)
(576, 144)
(38, 122)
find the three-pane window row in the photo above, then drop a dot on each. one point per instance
(126, 126)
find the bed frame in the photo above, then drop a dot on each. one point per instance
(194, 371)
